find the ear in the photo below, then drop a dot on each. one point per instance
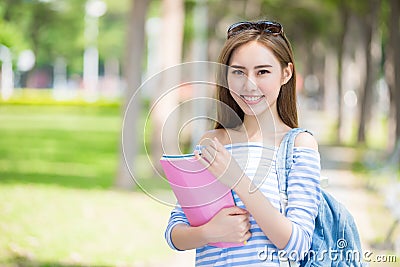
(287, 73)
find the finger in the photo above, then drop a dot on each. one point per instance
(207, 142)
(210, 149)
(197, 155)
(247, 236)
(244, 237)
(205, 154)
(201, 159)
(213, 144)
(218, 144)
(248, 226)
(236, 211)
(242, 218)
(244, 227)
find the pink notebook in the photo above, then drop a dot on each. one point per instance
(198, 192)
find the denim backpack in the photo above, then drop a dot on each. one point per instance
(336, 241)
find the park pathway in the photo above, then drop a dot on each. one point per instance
(367, 205)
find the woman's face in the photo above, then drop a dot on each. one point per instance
(255, 78)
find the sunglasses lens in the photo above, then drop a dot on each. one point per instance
(264, 26)
(238, 27)
(274, 29)
(270, 27)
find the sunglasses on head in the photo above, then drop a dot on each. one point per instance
(264, 26)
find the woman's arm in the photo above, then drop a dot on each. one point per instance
(228, 225)
(184, 237)
(278, 228)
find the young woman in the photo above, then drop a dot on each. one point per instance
(258, 109)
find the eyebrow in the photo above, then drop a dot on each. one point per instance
(256, 67)
(263, 66)
(237, 67)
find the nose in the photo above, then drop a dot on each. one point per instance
(250, 84)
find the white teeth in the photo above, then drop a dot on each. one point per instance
(252, 98)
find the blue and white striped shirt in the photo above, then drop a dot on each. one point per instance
(258, 162)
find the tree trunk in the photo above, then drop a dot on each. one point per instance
(200, 53)
(341, 45)
(132, 73)
(389, 77)
(394, 33)
(164, 115)
(369, 22)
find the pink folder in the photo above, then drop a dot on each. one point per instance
(198, 192)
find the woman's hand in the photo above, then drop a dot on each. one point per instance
(228, 225)
(220, 162)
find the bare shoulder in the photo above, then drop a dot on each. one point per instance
(220, 134)
(306, 140)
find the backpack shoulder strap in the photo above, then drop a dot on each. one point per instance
(284, 159)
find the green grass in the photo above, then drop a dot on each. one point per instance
(69, 146)
(50, 224)
(57, 202)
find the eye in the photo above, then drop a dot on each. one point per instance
(237, 72)
(261, 72)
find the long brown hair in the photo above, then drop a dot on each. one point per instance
(229, 114)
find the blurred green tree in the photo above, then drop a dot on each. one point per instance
(41, 27)
(53, 29)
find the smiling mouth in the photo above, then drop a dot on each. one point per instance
(252, 99)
